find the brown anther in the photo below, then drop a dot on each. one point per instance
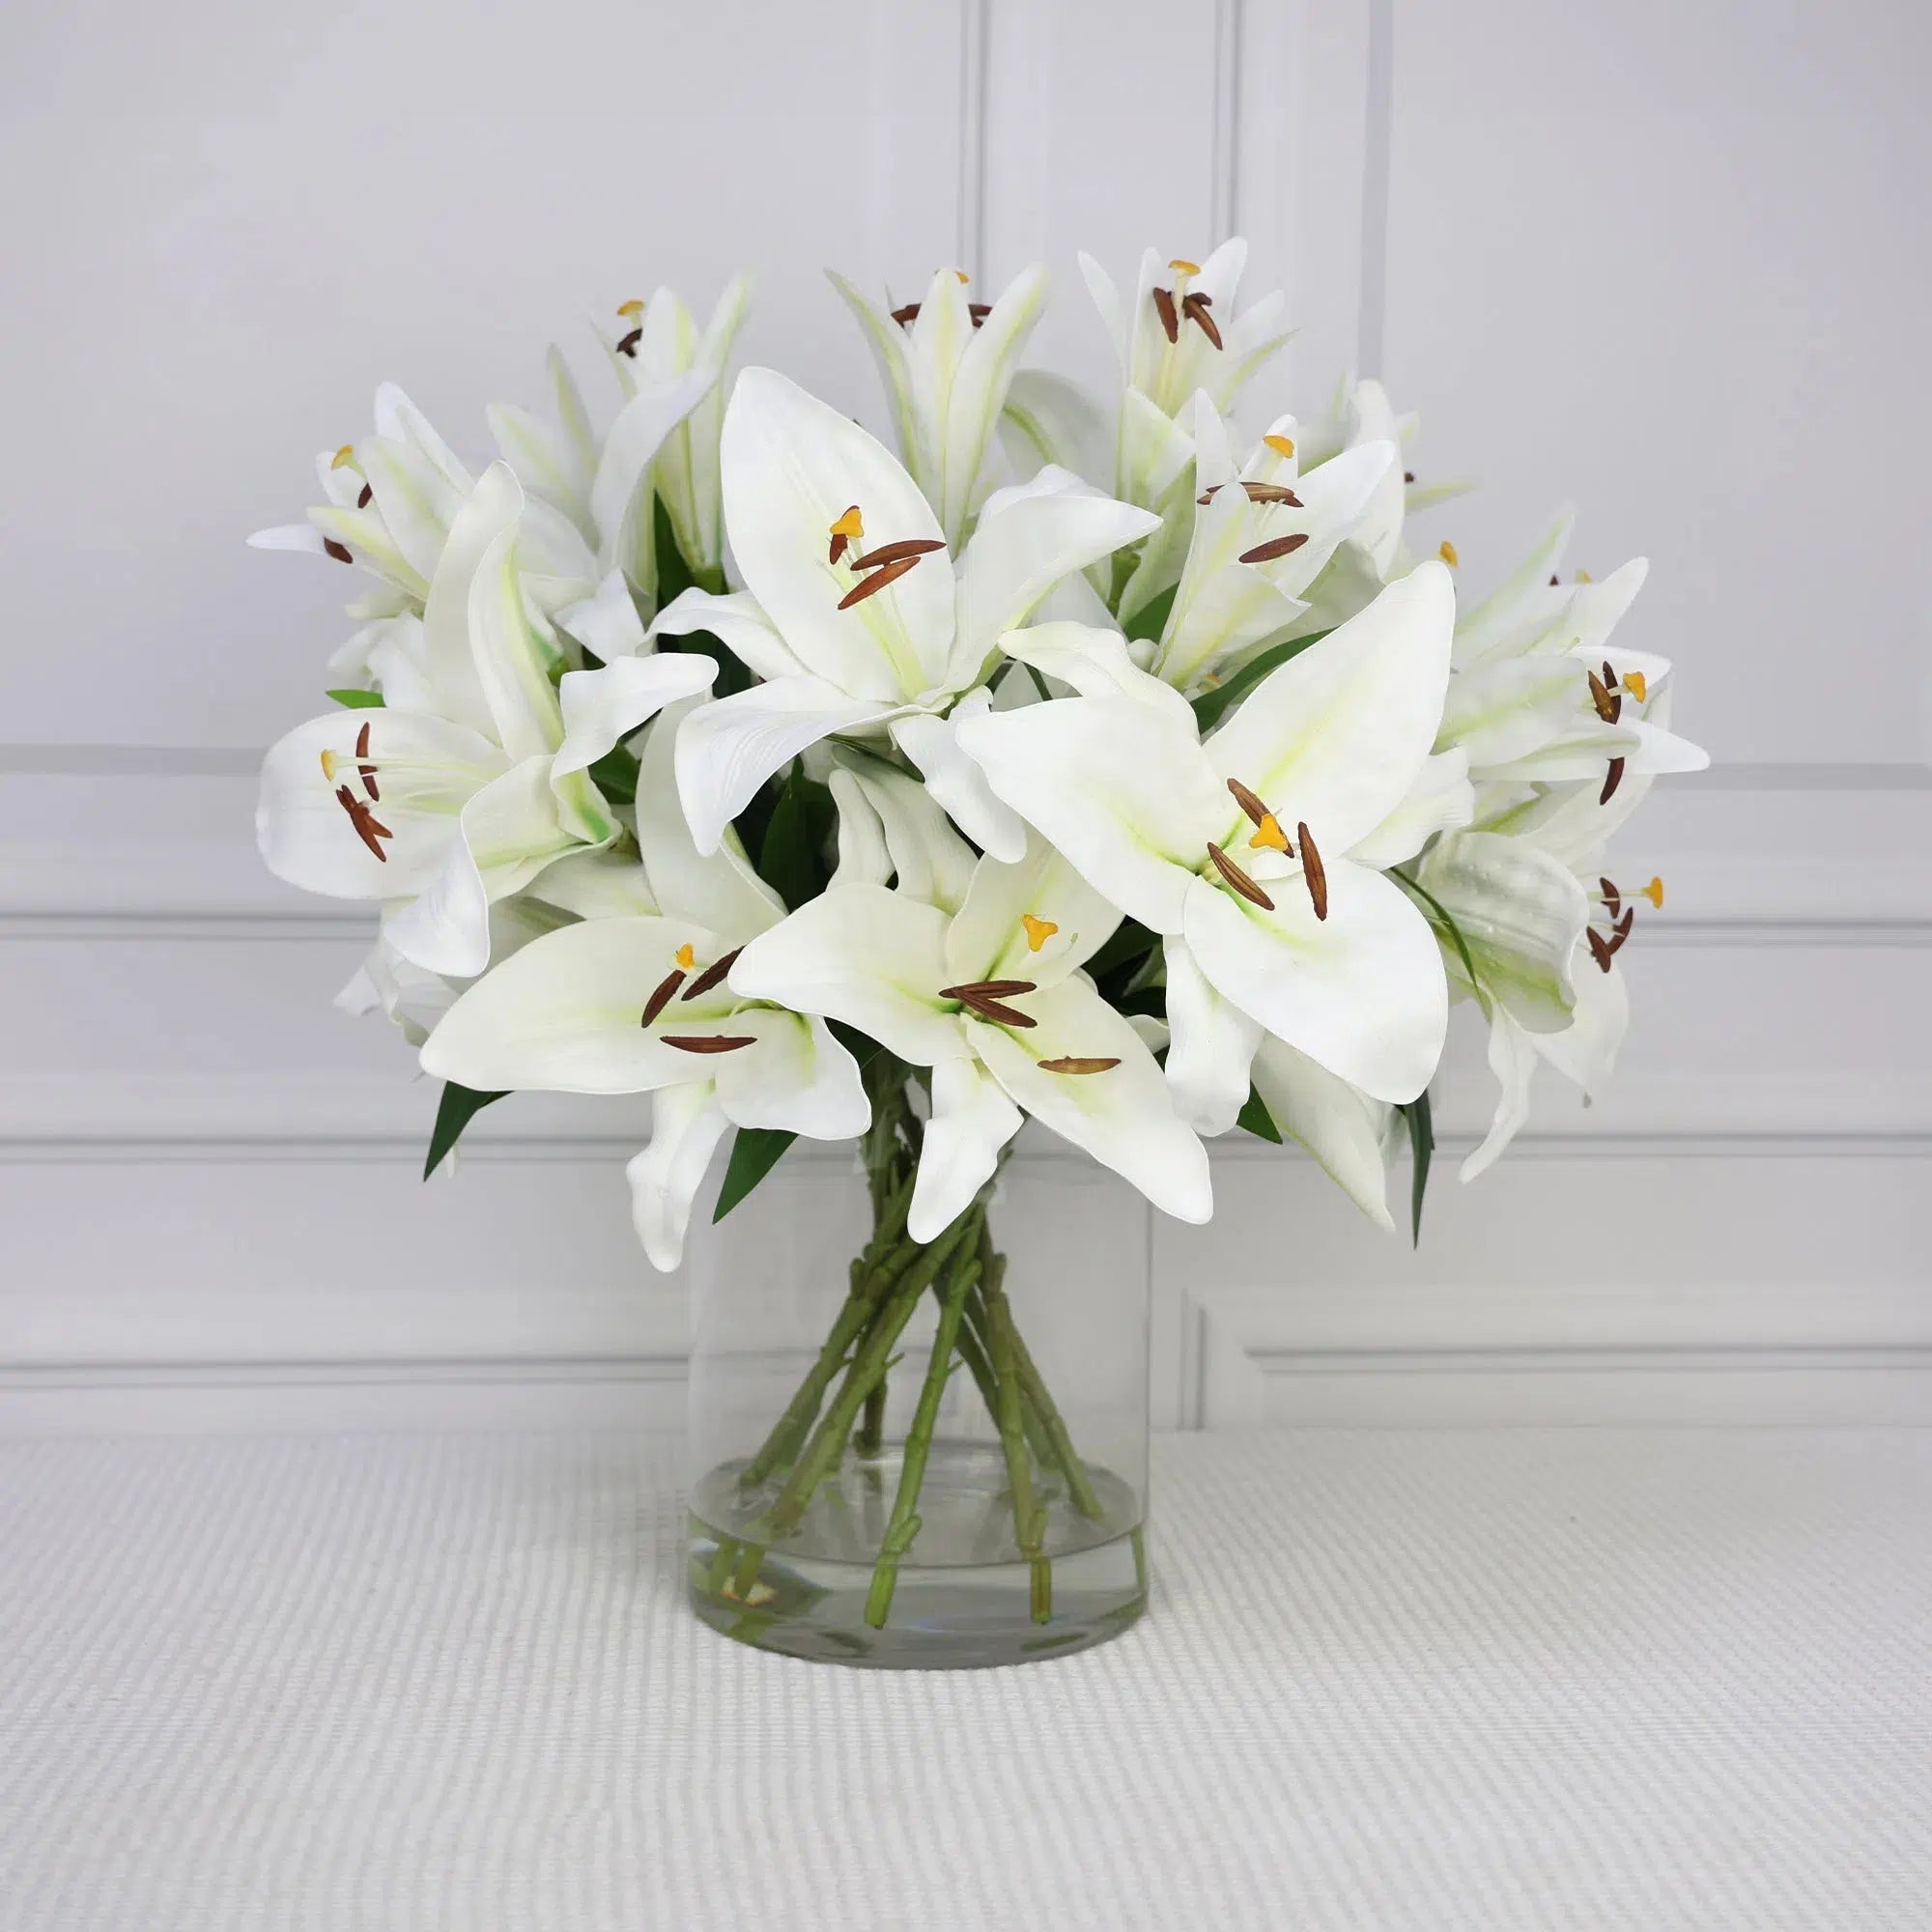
(1249, 802)
(908, 316)
(627, 345)
(989, 989)
(660, 997)
(888, 573)
(339, 551)
(712, 974)
(1311, 870)
(996, 1011)
(895, 553)
(1266, 552)
(1555, 580)
(1408, 475)
(1621, 931)
(1271, 492)
(1169, 321)
(1613, 778)
(368, 827)
(1195, 307)
(1208, 495)
(1238, 879)
(837, 549)
(1599, 696)
(1600, 950)
(367, 773)
(710, 1043)
(1613, 898)
(368, 490)
(979, 311)
(1074, 1063)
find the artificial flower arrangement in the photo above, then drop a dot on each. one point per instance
(1086, 760)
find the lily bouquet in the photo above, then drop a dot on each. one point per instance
(1085, 758)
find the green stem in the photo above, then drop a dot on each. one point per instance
(1028, 1518)
(1039, 1401)
(904, 1523)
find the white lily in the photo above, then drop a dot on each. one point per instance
(854, 613)
(1542, 694)
(441, 812)
(1238, 850)
(948, 363)
(644, 1004)
(988, 992)
(661, 350)
(1347, 1133)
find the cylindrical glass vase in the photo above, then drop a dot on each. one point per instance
(920, 1456)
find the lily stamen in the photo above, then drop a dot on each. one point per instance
(1195, 307)
(339, 551)
(368, 827)
(1170, 318)
(1638, 685)
(660, 997)
(908, 315)
(1266, 552)
(1313, 870)
(895, 553)
(712, 974)
(1609, 704)
(987, 999)
(1237, 879)
(867, 586)
(1037, 930)
(846, 528)
(1282, 445)
(1074, 1063)
(1611, 781)
(1249, 802)
(710, 1043)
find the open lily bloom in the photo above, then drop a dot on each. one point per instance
(1542, 694)
(1237, 849)
(980, 982)
(948, 363)
(644, 1004)
(439, 812)
(855, 612)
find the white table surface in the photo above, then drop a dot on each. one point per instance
(1595, 1679)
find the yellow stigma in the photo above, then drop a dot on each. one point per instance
(1269, 834)
(1182, 268)
(850, 526)
(1282, 445)
(1037, 930)
(1583, 577)
(964, 277)
(1638, 685)
(329, 761)
(1654, 893)
(686, 957)
(343, 457)
(631, 309)
(1446, 551)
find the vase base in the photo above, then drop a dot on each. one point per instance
(973, 1601)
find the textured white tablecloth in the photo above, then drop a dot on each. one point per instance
(1592, 1679)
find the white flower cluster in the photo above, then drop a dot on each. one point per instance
(1144, 809)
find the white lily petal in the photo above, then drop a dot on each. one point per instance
(1122, 1116)
(1440, 800)
(1586, 1052)
(1490, 626)
(736, 621)
(989, 938)
(955, 780)
(1050, 420)
(886, 341)
(728, 747)
(1107, 300)
(1513, 1061)
(1120, 788)
(602, 708)
(863, 857)
(607, 622)
(977, 390)
(1335, 736)
(1212, 1045)
(505, 835)
(1095, 662)
(288, 536)
(509, 662)
(449, 653)
(619, 505)
(1341, 1126)
(971, 1120)
(366, 538)
(932, 860)
(687, 1125)
(719, 890)
(1503, 711)
(415, 501)
(792, 466)
(797, 1080)
(1362, 992)
(401, 421)
(872, 958)
(1027, 541)
(1154, 451)
(596, 885)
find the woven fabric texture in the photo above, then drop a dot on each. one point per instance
(1596, 1679)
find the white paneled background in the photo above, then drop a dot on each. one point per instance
(1664, 256)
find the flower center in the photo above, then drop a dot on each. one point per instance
(986, 1000)
(1037, 930)
(876, 568)
(1619, 915)
(1181, 304)
(667, 989)
(1268, 837)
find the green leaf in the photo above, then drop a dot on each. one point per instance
(357, 700)
(1212, 702)
(792, 860)
(458, 1107)
(1257, 1119)
(1150, 619)
(1444, 918)
(674, 576)
(755, 1153)
(1422, 1144)
(615, 775)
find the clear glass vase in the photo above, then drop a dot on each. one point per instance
(911, 1456)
